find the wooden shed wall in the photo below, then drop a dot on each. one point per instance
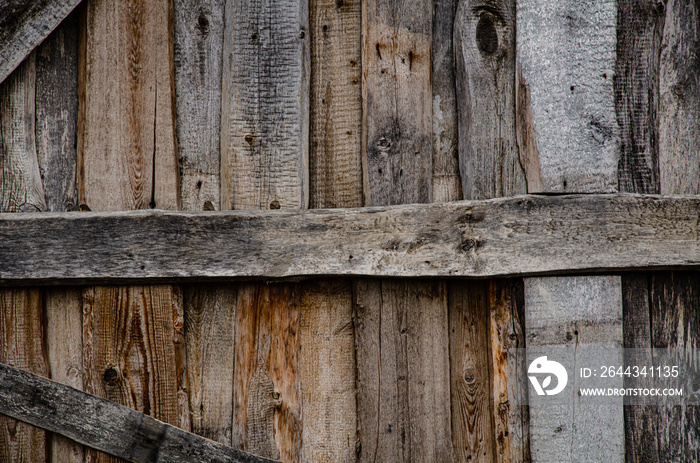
(211, 105)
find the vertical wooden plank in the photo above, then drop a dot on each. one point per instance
(335, 165)
(56, 138)
(636, 83)
(446, 180)
(403, 370)
(401, 327)
(566, 55)
(198, 42)
(397, 101)
(265, 101)
(472, 421)
(210, 314)
(327, 370)
(129, 151)
(327, 338)
(267, 395)
(132, 338)
(679, 99)
(674, 299)
(569, 314)
(485, 72)
(264, 165)
(22, 190)
(209, 310)
(566, 52)
(21, 309)
(484, 38)
(21, 346)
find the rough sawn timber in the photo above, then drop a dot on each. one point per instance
(104, 425)
(525, 235)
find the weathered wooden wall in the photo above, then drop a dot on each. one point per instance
(287, 104)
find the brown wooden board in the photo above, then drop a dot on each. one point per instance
(104, 425)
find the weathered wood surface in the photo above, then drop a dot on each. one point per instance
(128, 160)
(335, 164)
(447, 185)
(524, 235)
(198, 47)
(24, 25)
(397, 101)
(327, 367)
(403, 370)
(265, 101)
(569, 314)
(128, 140)
(484, 37)
(104, 425)
(566, 51)
(470, 375)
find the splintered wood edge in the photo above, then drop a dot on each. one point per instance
(104, 425)
(525, 235)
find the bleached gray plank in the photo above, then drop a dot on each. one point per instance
(525, 235)
(24, 24)
(105, 425)
(567, 51)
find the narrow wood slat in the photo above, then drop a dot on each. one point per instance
(264, 165)
(524, 235)
(25, 24)
(566, 58)
(104, 425)
(132, 343)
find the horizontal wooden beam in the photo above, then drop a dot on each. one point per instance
(527, 235)
(24, 24)
(104, 425)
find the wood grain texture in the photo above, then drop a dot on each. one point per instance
(64, 355)
(57, 115)
(640, 25)
(327, 370)
(567, 53)
(673, 299)
(403, 371)
(397, 101)
(525, 235)
(265, 101)
(506, 307)
(267, 394)
(21, 346)
(484, 37)
(679, 93)
(335, 126)
(210, 314)
(470, 375)
(569, 314)
(22, 189)
(104, 425)
(446, 181)
(24, 25)
(198, 44)
(129, 155)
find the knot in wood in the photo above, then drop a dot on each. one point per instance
(110, 376)
(486, 34)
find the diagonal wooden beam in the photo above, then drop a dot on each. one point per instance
(527, 235)
(104, 425)
(24, 24)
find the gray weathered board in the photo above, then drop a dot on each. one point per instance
(524, 235)
(105, 425)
